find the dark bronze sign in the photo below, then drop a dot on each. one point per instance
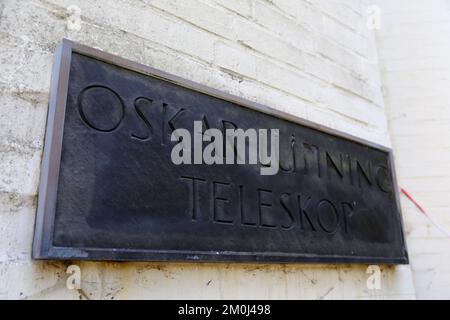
(110, 191)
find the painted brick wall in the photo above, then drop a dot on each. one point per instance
(414, 51)
(312, 58)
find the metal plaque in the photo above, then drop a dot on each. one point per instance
(110, 191)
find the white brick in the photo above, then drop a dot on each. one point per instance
(241, 7)
(133, 18)
(414, 51)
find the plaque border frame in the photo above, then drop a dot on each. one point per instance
(43, 248)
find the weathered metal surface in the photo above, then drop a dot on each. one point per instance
(109, 190)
